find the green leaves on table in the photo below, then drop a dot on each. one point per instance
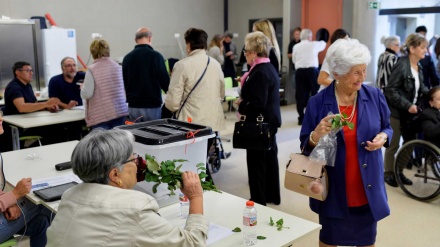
(339, 121)
(237, 229)
(279, 224)
(168, 173)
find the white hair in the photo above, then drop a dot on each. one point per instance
(344, 54)
(391, 40)
(305, 34)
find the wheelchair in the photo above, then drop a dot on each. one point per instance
(216, 154)
(419, 160)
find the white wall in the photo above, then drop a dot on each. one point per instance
(241, 11)
(118, 20)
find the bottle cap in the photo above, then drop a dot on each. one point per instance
(250, 203)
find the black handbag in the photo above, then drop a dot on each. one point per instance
(252, 135)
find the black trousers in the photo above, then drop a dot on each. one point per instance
(263, 173)
(306, 86)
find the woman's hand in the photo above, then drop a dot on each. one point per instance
(324, 127)
(191, 185)
(413, 109)
(192, 189)
(377, 143)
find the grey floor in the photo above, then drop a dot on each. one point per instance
(411, 223)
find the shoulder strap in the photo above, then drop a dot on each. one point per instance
(197, 83)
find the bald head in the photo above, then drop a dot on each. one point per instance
(143, 36)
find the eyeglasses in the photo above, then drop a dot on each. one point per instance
(134, 160)
(27, 70)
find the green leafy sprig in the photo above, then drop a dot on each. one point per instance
(279, 224)
(339, 121)
(166, 172)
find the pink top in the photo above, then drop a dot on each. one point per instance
(7, 199)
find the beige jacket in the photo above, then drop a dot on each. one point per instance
(102, 215)
(204, 105)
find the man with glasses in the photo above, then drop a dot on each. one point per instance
(66, 86)
(19, 96)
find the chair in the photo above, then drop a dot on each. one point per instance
(30, 139)
(9, 243)
(229, 84)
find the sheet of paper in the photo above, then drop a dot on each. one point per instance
(39, 184)
(217, 232)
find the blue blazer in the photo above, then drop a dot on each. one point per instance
(372, 117)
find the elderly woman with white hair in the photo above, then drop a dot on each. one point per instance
(357, 197)
(105, 211)
(387, 60)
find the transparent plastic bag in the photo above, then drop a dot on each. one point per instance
(326, 148)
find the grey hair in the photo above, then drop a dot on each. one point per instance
(305, 34)
(145, 34)
(344, 54)
(100, 152)
(64, 59)
(388, 41)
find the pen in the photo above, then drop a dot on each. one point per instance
(39, 185)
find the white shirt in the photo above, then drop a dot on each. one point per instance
(305, 53)
(325, 68)
(417, 84)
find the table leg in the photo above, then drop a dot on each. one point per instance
(15, 138)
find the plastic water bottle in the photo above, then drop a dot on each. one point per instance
(249, 224)
(184, 205)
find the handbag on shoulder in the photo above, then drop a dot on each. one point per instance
(306, 176)
(252, 135)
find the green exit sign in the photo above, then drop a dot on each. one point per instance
(373, 5)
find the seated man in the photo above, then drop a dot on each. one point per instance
(64, 86)
(19, 96)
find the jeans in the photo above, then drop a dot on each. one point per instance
(109, 124)
(33, 222)
(146, 113)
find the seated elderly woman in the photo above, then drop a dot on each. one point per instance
(431, 117)
(357, 197)
(105, 211)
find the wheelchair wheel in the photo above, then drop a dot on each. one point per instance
(215, 163)
(419, 161)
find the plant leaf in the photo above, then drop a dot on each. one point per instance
(261, 237)
(280, 222)
(155, 188)
(237, 229)
(271, 221)
(152, 164)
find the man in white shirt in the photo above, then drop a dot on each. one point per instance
(305, 58)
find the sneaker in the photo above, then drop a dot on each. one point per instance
(405, 180)
(391, 180)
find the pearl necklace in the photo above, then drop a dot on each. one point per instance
(350, 118)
